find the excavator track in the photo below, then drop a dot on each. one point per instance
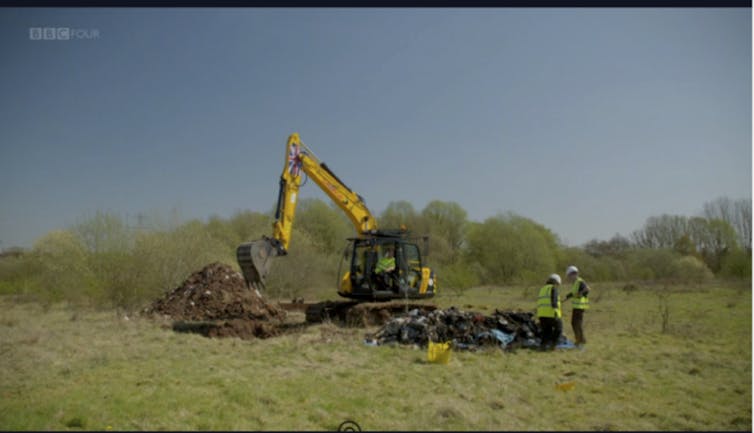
(354, 313)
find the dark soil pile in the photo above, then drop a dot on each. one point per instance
(217, 296)
(241, 328)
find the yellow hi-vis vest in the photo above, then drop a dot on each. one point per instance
(386, 264)
(544, 303)
(579, 303)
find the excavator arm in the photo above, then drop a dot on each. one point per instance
(255, 257)
(301, 160)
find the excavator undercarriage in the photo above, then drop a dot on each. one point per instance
(355, 313)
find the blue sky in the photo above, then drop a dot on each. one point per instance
(585, 120)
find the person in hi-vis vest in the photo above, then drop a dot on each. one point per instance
(549, 314)
(580, 303)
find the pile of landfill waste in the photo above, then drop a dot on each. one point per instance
(216, 302)
(465, 330)
(215, 292)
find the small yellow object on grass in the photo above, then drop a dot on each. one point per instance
(565, 386)
(438, 353)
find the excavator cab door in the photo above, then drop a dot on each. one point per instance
(411, 264)
(361, 258)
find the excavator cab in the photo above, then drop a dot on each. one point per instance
(363, 277)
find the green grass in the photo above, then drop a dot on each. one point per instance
(72, 369)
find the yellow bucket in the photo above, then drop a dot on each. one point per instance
(566, 386)
(438, 353)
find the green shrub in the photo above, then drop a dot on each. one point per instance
(652, 264)
(604, 268)
(440, 252)
(103, 260)
(667, 265)
(457, 277)
(248, 225)
(223, 231)
(305, 269)
(511, 248)
(690, 268)
(18, 275)
(63, 268)
(161, 261)
(737, 264)
(326, 225)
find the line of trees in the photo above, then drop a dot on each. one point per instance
(102, 260)
(721, 237)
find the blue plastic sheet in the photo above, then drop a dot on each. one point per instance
(503, 338)
(565, 344)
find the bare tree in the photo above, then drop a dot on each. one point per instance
(615, 247)
(661, 231)
(400, 212)
(711, 238)
(737, 213)
(447, 219)
(743, 222)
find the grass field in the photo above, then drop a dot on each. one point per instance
(65, 368)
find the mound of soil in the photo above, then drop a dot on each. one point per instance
(241, 328)
(217, 292)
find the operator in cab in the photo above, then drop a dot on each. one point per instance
(385, 268)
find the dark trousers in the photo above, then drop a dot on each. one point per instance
(577, 322)
(551, 328)
(385, 281)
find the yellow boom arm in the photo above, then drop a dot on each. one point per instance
(300, 159)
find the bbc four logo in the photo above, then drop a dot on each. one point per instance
(61, 33)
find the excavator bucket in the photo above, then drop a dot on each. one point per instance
(255, 259)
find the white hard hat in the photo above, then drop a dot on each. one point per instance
(554, 277)
(572, 270)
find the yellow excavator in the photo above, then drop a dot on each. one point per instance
(381, 265)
